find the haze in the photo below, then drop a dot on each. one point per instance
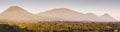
(98, 7)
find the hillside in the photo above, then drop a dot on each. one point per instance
(15, 13)
(71, 15)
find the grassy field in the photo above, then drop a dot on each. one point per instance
(58, 26)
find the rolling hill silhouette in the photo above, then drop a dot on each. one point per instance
(71, 15)
(15, 13)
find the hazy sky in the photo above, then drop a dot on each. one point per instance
(98, 7)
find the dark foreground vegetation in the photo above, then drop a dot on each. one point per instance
(60, 27)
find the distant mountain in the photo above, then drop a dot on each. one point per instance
(63, 13)
(15, 13)
(107, 17)
(70, 15)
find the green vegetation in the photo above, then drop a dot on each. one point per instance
(8, 28)
(60, 27)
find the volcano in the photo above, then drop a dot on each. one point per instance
(15, 13)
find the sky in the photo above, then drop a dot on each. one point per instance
(98, 7)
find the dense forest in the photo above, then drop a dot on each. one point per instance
(59, 26)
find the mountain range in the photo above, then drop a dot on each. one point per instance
(15, 13)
